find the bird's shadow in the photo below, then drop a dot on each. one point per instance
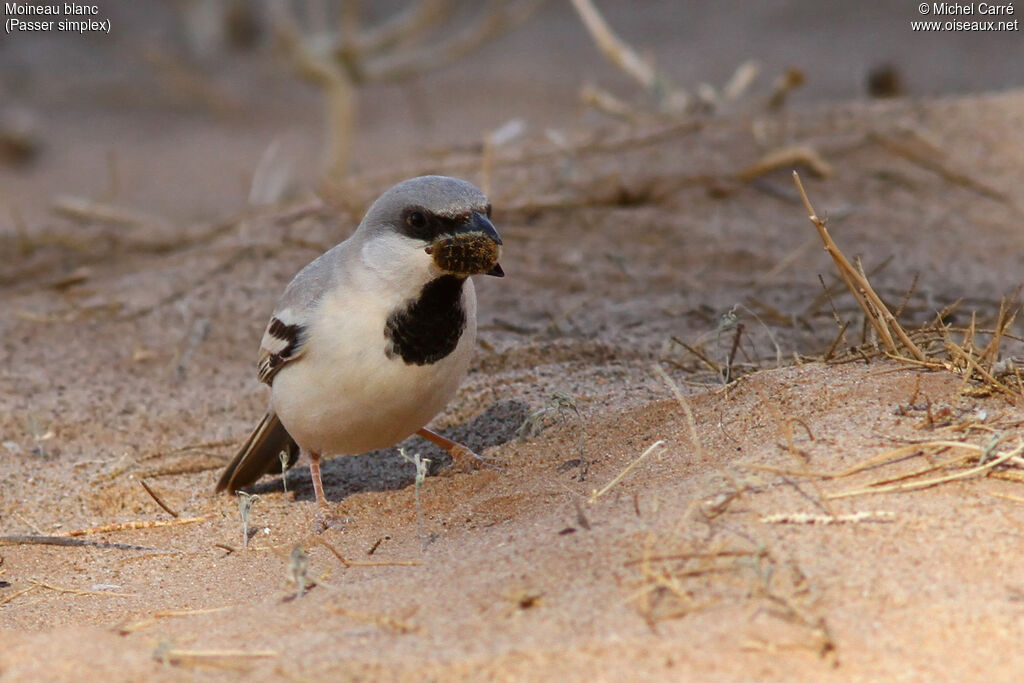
(386, 470)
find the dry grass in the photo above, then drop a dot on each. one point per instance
(932, 345)
(971, 352)
(731, 568)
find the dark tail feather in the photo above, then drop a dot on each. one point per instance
(259, 455)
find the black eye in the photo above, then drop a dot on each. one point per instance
(416, 220)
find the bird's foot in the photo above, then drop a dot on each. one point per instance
(465, 461)
(323, 520)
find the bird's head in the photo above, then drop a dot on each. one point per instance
(430, 226)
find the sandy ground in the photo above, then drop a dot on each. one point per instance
(127, 353)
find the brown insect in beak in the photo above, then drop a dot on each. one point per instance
(466, 253)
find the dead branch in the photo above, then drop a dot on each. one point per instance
(340, 60)
(494, 19)
(619, 53)
(413, 21)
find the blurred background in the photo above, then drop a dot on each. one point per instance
(173, 110)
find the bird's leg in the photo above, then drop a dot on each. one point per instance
(463, 459)
(320, 518)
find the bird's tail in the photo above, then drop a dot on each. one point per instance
(259, 455)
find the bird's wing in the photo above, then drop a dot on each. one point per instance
(289, 329)
(281, 344)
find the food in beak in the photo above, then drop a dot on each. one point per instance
(466, 253)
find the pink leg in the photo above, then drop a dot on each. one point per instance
(320, 519)
(462, 458)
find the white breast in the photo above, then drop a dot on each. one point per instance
(345, 396)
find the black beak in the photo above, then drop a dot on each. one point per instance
(478, 222)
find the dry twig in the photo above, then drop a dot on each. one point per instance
(142, 524)
(851, 518)
(65, 541)
(78, 591)
(629, 468)
(374, 563)
(927, 483)
(691, 422)
(877, 313)
(177, 656)
(133, 626)
(156, 498)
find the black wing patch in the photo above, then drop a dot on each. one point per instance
(281, 343)
(428, 328)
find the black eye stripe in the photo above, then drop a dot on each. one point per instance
(433, 224)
